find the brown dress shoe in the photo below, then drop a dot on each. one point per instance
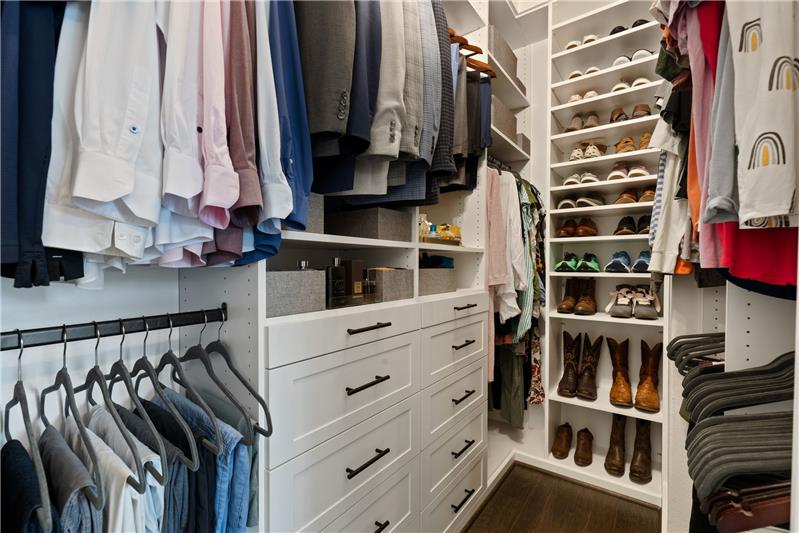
(586, 228)
(586, 304)
(615, 458)
(642, 462)
(572, 351)
(620, 394)
(583, 449)
(563, 441)
(647, 390)
(572, 288)
(587, 380)
(567, 229)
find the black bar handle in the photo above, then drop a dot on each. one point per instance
(381, 526)
(457, 508)
(466, 343)
(379, 325)
(460, 452)
(463, 307)
(468, 392)
(378, 379)
(378, 454)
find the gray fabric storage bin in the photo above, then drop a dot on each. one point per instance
(371, 223)
(503, 119)
(502, 53)
(295, 291)
(396, 284)
(436, 280)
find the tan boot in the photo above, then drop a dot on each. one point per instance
(615, 458)
(620, 394)
(587, 382)
(647, 390)
(572, 289)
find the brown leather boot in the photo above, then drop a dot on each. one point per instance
(647, 390)
(620, 394)
(583, 449)
(563, 441)
(587, 382)
(642, 462)
(587, 305)
(615, 458)
(572, 289)
(572, 352)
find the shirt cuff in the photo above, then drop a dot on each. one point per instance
(183, 175)
(102, 177)
(220, 192)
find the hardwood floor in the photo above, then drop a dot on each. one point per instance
(529, 500)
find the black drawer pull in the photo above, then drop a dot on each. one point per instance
(460, 452)
(466, 343)
(378, 454)
(463, 307)
(457, 508)
(381, 526)
(379, 325)
(378, 379)
(469, 393)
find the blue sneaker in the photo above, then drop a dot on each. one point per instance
(642, 263)
(620, 262)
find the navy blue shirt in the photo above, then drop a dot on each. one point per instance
(266, 246)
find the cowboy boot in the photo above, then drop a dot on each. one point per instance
(583, 449)
(615, 458)
(587, 383)
(642, 462)
(572, 351)
(563, 441)
(572, 288)
(620, 394)
(647, 390)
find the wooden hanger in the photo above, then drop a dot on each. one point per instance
(472, 49)
(480, 66)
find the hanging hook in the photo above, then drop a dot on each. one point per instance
(146, 334)
(169, 337)
(64, 338)
(19, 356)
(122, 329)
(96, 344)
(205, 323)
(222, 324)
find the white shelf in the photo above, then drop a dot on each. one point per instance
(613, 209)
(604, 405)
(603, 80)
(519, 27)
(599, 238)
(609, 134)
(447, 295)
(427, 247)
(505, 149)
(462, 16)
(603, 104)
(602, 165)
(302, 239)
(613, 275)
(590, 20)
(605, 186)
(505, 86)
(602, 317)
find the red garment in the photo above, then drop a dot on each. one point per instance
(710, 16)
(768, 255)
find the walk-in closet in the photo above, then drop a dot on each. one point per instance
(399, 266)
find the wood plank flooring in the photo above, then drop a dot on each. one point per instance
(530, 500)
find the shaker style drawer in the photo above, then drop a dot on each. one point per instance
(312, 490)
(438, 309)
(392, 506)
(444, 459)
(456, 503)
(445, 402)
(311, 401)
(295, 338)
(452, 346)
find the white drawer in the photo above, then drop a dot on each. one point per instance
(311, 401)
(456, 503)
(289, 339)
(453, 345)
(445, 458)
(392, 506)
(445, 402)
(438, 309)
(313, 489)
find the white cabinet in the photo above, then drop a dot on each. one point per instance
(452, 346)
(450, 509)
(444, 402)
(444, 307)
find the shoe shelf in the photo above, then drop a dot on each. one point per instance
(463, 16)
(505, 149)
(505, 87)
(603, 404)
(613, 275)
(603, 80)
(603, 317)
(607, 134)
(598, 239)
(602, 165)
(609, 15)
(605, 186)
(602, 52)
(603, 104)
(611, 209)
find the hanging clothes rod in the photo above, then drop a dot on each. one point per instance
(110, 328)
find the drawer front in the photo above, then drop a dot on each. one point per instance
(445, 402)
(437, 311)
(393, 506)
(445, 458)
(452, 346)
(314, 400)
(299, 337)
(313, 489)
(450, 509)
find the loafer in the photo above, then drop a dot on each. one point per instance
(640, 81)
(567, 229)
(648, 194)
(643, 225)
(621, 60)
(642, 263)
(620, 263)
(627, 197)
(572, 44)
(617, 29)
(574, 179)
(574, 74)
(592, 121)
(641, 54)
(566, 203)
(574, 98)
(586, 228)
(639, 22)
(568, 264)
(590, 200)
(591, 70)
(641, 110)
(626, 226)
(590, 94)
(621, 86)
(618, 172)
(638, 170)
(575, 124)
(589, 38)
(588, 263)
(588, 177)
(617, 115)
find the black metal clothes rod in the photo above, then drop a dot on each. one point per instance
(110, 328)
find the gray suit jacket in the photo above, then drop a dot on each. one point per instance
(412, 89)
(326, 33)
(443, 163)
(431, 81)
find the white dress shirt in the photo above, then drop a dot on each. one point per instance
(505, 298)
